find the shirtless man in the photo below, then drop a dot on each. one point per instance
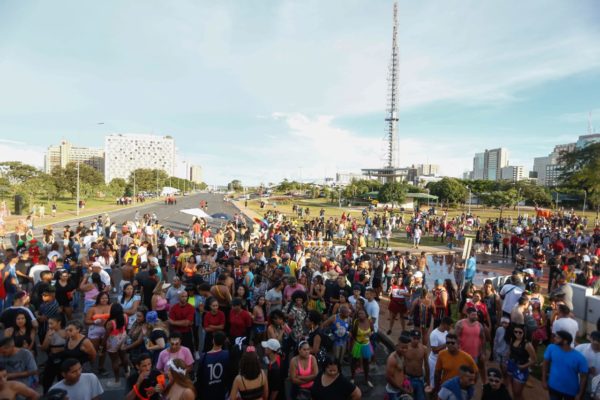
(221, 292)
(416, 365)
(127, 275)
(422, 263)
(11, 389)
(395, 369)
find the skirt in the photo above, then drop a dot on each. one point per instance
(360, 350)
(397, 306)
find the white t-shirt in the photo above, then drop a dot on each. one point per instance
(436, 338)
(36, 270)
(86, 388)
(511, 294)
(593, 358)
(566, 324)
(372, 308)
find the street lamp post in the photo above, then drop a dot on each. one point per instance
(469, 187)
(584, 201)
(519, 203)
(157, 182)
(77, 188)
(134, 198)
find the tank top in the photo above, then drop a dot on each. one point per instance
(305, 372)
(76, 352)
(362, 335)
(519, 354)
(252, 394)
(470, 340)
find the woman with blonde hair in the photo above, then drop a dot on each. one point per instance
(159, 300)
(179, 386)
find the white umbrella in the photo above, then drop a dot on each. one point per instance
(196, 212)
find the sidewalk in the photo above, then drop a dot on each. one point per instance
(64, 216)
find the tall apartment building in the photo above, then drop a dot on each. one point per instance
(513, 173)
(548, 168)
(125, 153)
(478, 166)
(427, 169)
(495, 160)
(65, 152)
(195, 174)
(488, 165)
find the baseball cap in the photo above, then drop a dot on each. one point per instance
(271, 344)
(494, 373)
(96, 264)
(438, 282)
(415, 333)
(418, 274)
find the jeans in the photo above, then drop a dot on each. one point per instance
(418, 386)
(556, 395)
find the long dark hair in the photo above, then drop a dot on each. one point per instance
(96, 280)
(28, 323)
(116, 314)
(123, 295)
(100, 297)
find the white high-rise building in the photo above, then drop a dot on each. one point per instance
(427, 169)
(65, 152)
(125, 153)
(513, 173)
(488, 165)
(195, 174)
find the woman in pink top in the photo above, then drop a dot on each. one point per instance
(303, 370)
(159, 300)
(115, 339)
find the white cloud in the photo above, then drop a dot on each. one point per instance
(17, 151)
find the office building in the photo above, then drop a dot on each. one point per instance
(478, 166)
(513, 173)
(65, 152)
(584, 140)
(488, 165)
(125, 153)
(195, 174)
(548, 169)
(427, 169)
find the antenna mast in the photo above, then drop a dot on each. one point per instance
(392, 109)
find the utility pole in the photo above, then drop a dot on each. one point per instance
(134, 198)
(584, 201)
(469, 187)
(157, 193)
(518, 203)
(78, 188)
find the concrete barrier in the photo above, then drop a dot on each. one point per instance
(581, 294)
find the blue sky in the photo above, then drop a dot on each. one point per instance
(265, 90)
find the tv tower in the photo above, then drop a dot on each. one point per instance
(391, 171)
(392, 101)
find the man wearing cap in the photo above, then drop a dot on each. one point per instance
(591, 352)
(275, 377)
(104, 276)
(416, 366)
(564, 322)
(563, 289)
(565, 371)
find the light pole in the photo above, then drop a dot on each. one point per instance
(519, 203)
(469, 187)
(134, 198)
(584, 200)
(78, 188)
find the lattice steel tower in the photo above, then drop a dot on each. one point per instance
(392, 100)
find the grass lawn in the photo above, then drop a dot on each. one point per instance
(332, 209)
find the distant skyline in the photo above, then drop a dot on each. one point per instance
(264, 91)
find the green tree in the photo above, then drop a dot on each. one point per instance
(16, 172)
(500, 199)
(580, 170)
(235, 185)
(147, 180)
(116, 187)
(66, 179)
(449, 190)
(392, 192)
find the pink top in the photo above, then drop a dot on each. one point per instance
(91, 294)
(163, 358)
(305, 372)
(161, 304)
(470, 341)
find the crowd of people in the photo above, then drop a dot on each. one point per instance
(237, 310)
